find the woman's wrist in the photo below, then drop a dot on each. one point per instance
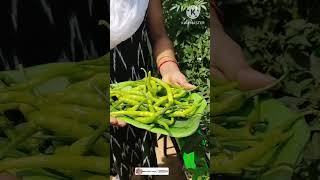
(166, 61)
(164, 58)
(168, 67)
(163, 63)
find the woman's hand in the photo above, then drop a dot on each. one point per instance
(229, 64)
(171, 74)
(229, 61)
(117, 122)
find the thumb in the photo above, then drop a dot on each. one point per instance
(113, 121)
(121, 123)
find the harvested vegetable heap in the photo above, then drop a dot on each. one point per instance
(152, 101)
(53, 121)
(254, 136)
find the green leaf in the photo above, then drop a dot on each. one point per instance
(294, 26)
(299, 40)
(315, 67)
(312, 151)
(294, 147)
(315, 125)
(296, 88)
(291, 102)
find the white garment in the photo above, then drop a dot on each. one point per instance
(126, 16)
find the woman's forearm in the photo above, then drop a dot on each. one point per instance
(226, 54)
(163, 49)
(214, 20)
(162, 45)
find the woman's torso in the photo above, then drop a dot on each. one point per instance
(131, 55)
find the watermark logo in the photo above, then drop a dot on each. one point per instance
(143, 171)
(193, 11)
(138, 171)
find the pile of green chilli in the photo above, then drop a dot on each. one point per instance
(253, 136)
(53, 121)
(157, 106)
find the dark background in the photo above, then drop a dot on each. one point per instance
(42, 31)
(235, 14)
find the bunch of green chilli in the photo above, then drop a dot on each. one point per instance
(53, 121)
(151, 101)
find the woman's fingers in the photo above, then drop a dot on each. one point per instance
(172, 75)
(117, 122)
(121, 123)
(113, 121)
(251, 79)
(182, 82)
(179, 81)
(187, 85)
(247, 77)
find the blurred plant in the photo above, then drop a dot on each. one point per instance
(291, 40)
